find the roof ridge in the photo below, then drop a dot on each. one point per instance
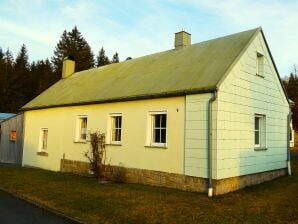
(173, 49)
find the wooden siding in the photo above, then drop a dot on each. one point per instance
(242, 95)
(11, 151)
(196, 135)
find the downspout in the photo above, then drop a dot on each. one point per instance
(288, 143)
(209, 143)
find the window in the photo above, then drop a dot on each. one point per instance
(13, 136)
(82, 129)
(116, 129)
(44, 139)
(260, 65)
(158, 129)
(260, 131)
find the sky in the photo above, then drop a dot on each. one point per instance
(137, 28)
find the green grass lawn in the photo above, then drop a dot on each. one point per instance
(84, 198)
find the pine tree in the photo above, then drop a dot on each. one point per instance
(115, 58)
(72, 43)
(3, 82)
(102, 59)
(6, 83)
(291, 86)
(43, 75)
(23, 89)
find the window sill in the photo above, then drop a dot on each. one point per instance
(156, 146)
(114, 144)
(81, 141)
(260, 149)
(42, 154)
(260, 75)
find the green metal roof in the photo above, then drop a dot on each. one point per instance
(193, 69)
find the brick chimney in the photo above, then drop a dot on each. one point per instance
(182, 39)
(68, 67)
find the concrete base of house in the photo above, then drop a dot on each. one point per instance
(179, 181)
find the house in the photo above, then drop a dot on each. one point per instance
(293, 139)
(4, 116)
(208, 117)
(11, 140)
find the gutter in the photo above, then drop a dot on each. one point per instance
(209, 142)
(288, 143)
(124, 99)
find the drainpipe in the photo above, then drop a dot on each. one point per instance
(288, 143)
(209, 143)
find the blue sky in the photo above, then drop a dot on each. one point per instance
(136, 28)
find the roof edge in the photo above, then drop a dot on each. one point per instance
(130, 98)
(259, 29)
(275, 68)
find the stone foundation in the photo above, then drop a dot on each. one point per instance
(71, 166)
(178, 181)
(235, 183)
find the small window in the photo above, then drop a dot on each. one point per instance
(260, 131)
(260, 65)
(82, 129)
(116, 129)
(13, 136)
(44, 139)
(158, 129)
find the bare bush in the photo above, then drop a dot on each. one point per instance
(97, 154)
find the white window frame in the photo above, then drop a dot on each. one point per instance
(259, 130)
(79, 128)
(41, 140)
(150, 131)
(262, 131)
(110, 132)
(260, 64)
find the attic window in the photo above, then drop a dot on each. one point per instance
(260, 65)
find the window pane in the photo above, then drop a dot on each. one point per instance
(83, 131)
(116, 128)
(84, 122)
(257, 137)
(116, 122)
(156, 135)
(117, 135)
(163, 120)
(44, 139)
(257, 123)
(157, 121)
(163, 135)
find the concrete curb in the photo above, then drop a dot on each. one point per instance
(43, 207)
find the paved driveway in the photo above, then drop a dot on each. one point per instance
(16, 211)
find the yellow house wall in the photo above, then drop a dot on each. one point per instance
(242, 95)
(61, 124)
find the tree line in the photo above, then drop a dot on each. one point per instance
(21, 81)
(291, 86)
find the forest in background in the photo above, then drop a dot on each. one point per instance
(21, 81)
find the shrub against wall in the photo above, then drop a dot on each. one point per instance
(97, 154)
